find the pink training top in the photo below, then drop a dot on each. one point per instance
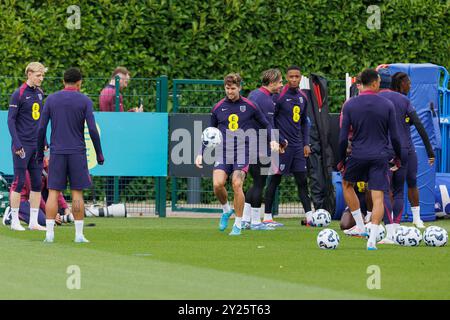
(107, 100)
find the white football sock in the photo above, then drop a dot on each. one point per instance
(247, 212)
(268, 217)
(390, 231)
(256, 216)
(79, 228)
(309, 216)
(416, 213)
(358, 219)
(50, 225)
(226, 208)
(373, 235)
(368, 216)
(238, 221)
(33, 217)
(15, 216)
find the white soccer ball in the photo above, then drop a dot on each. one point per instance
(408, 236)
(381, 231)
(320, 218)
(435, 236)
(328, 239)
(211, 137)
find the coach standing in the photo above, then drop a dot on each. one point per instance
(107, 102)
(68, 111)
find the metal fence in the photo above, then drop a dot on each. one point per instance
(196, 194)
(142, 195)
(147, 195)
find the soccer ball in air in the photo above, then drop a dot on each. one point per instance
(381, 231)
(320, 218)
(211, 137)
(408, 236)
(328, 239)
(435, 236)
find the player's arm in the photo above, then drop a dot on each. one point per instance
(95, 137)
(343, 138)
(13, 111)
(42, 131)
(62, 202)
(305, 125)
(414, 119)
(261, 119)
(106, 102)
(395, 139)
(213, 122)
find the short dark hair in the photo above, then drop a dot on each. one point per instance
(385, 77)
(72, 75)
(368, 76)
(397, 80)
(293, 67)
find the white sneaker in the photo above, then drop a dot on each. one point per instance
(6, 215)
(17, 227)
(81, 239)
(49, 239)
(419, 224)
(387, 241)
(37, 227)
(356, 232)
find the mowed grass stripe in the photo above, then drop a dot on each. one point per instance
(38, 271)
(289, 256)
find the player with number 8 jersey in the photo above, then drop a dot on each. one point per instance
(24, 112)
(292, 121)
(234, 116)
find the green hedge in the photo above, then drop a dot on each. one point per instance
(207, 39)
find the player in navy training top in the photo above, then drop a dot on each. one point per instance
(405, 115)
(372, 119)
(292, 121)
(272, 82)
(68, 111)
(234, 116)
(24, 112)
(402, 84)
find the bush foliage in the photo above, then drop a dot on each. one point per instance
(207, 39)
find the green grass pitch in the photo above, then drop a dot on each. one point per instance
(182, 258)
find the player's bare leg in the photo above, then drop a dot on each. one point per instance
(35, 200)
(369, 207)
(51, 209)
(239, 197)
(239, 200)
(219, 180)
(353, 203)
(15, 204)
(413, 197)
(377, 216)
(78, 214)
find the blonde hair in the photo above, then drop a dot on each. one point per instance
(35, 67)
